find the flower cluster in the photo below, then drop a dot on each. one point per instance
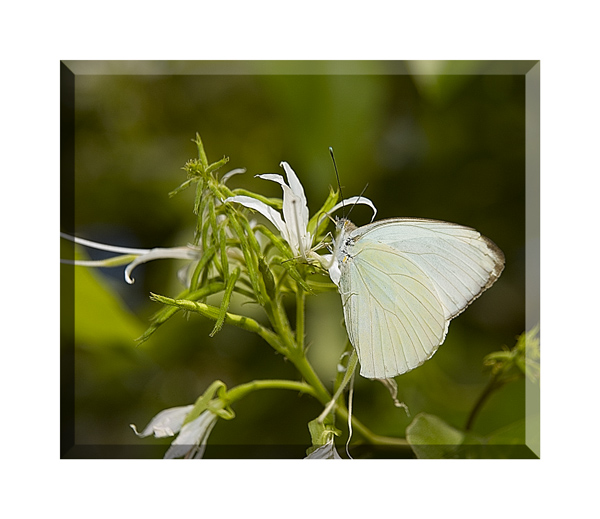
(232, 252)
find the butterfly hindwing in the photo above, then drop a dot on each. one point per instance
(394, 316)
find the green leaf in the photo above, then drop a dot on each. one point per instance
(508, 442)
(320, 216)
(101, 316)
(225, 301)
(430, 437)
(201, 153)
(162, 316)
(217, 165)
(267, 277)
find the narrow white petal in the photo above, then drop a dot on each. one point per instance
(273, 177)
(109, 262)
(268, 212)
(293, 216)
(298, 190)
(103, 246)
(325, 452)
(355, 200)
(231, 173)
(170, 253)
(166, 423)
(192, 434)
(199, 451)
(294, 183)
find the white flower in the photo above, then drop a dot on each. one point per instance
(140, 255)
(325, 452)
(295, 211)
(166, 423)
(293, 225)
(192, 438)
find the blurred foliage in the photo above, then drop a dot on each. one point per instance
(431, 437)
(449, 147)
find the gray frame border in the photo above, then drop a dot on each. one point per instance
(529, 68)
(532, 244)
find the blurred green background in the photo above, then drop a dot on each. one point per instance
(433, 140)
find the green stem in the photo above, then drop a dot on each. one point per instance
(298, 358)
(491, 386)
(242, 390)
(246, 323)
(306, 370)
(374, 439)
(300, 303)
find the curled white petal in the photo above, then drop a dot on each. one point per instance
(231, 173)
(169, 253)
(273, 177)
(193, 437)
(355, 200)
(166, 423)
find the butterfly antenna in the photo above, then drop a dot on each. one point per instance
(337, 175)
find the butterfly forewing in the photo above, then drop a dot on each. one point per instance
(459, 261)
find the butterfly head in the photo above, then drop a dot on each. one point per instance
(344, 225)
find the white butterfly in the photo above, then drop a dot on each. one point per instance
(402, 280)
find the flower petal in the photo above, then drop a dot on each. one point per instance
(169, 253)
(166, 423)
(231, 173)
(325, 452)
(294, 214)
(295, 209)
(193, 437)
(355, 200)
(273, 177)
(103, 246)
(298, 190)
(268, 212)
(295, 184)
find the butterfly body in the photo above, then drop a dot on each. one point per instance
(401, 281)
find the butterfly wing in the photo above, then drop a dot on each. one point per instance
(460, 262)
(403, 280)
(394, 317)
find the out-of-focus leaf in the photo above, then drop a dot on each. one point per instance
(505, 443)
(431, 437)
(100, 316)
(513, 434)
